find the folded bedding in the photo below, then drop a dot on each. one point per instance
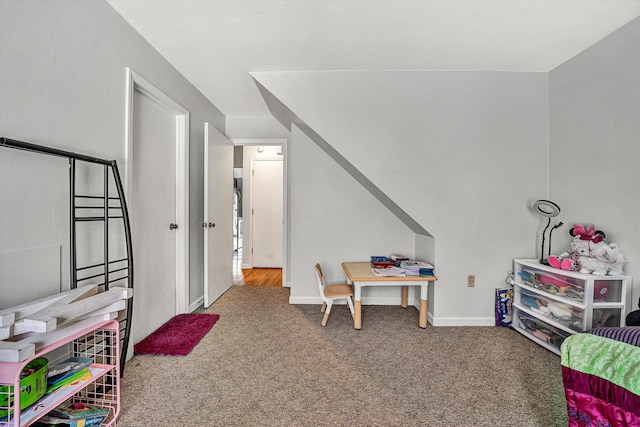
(601, 376)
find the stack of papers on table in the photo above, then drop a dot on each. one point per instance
(392, 271)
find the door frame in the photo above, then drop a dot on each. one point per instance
(136, 81)
(285, 200)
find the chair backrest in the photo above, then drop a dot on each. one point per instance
(320, 280)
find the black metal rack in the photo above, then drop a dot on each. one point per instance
(85, 208)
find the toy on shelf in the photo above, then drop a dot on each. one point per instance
(589, 253)
(552, 284)
(544, 332)
(561, 312)
(564, 261)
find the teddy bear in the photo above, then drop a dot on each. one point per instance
(589, 253)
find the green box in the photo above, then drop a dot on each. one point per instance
(32, 386)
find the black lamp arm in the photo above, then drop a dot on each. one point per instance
(542, 260)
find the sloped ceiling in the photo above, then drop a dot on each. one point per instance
(216, 43)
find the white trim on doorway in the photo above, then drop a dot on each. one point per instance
(285, 196)
(134, 81)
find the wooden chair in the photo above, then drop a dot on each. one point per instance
(329, 293)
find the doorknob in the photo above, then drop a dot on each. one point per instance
(173, 226)
(212, 224)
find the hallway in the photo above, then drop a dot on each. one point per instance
(254, 276)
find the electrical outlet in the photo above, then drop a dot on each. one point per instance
(471, 281)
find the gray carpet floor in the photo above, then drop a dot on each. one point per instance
(268, 363)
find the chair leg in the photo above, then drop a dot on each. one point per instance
(325, 319)
(324, 307)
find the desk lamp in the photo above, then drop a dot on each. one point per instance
(548, 210)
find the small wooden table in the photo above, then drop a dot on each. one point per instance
(360, 274)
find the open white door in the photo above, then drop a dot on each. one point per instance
(218, 214)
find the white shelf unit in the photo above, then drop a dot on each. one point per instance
(100, 342)
(550, 304)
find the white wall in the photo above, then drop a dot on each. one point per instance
(255, 127)
(594, 108)
(463, 153)
(62, 84)
(334, 219)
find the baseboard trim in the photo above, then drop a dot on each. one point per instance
(462, 321)
(434, 321)
(196, 304)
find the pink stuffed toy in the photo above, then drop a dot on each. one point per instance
(590, 253)
(563, 262)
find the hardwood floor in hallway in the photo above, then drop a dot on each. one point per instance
(254, 276)
(262, 276)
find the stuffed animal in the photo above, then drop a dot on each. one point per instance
(589, 253)
(564, 261)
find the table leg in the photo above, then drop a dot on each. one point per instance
(423, 306)
(404, 297)
(423, 313)
(357, 317)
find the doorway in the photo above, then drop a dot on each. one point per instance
(156, 183)
(248, 262)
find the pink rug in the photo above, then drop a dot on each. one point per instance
(178, 336)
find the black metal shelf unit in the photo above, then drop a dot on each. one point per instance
(95, 208)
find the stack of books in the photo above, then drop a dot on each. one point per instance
(397, 259)
(417, 268)
(68, 371)
(74, 415)
(382, 262)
